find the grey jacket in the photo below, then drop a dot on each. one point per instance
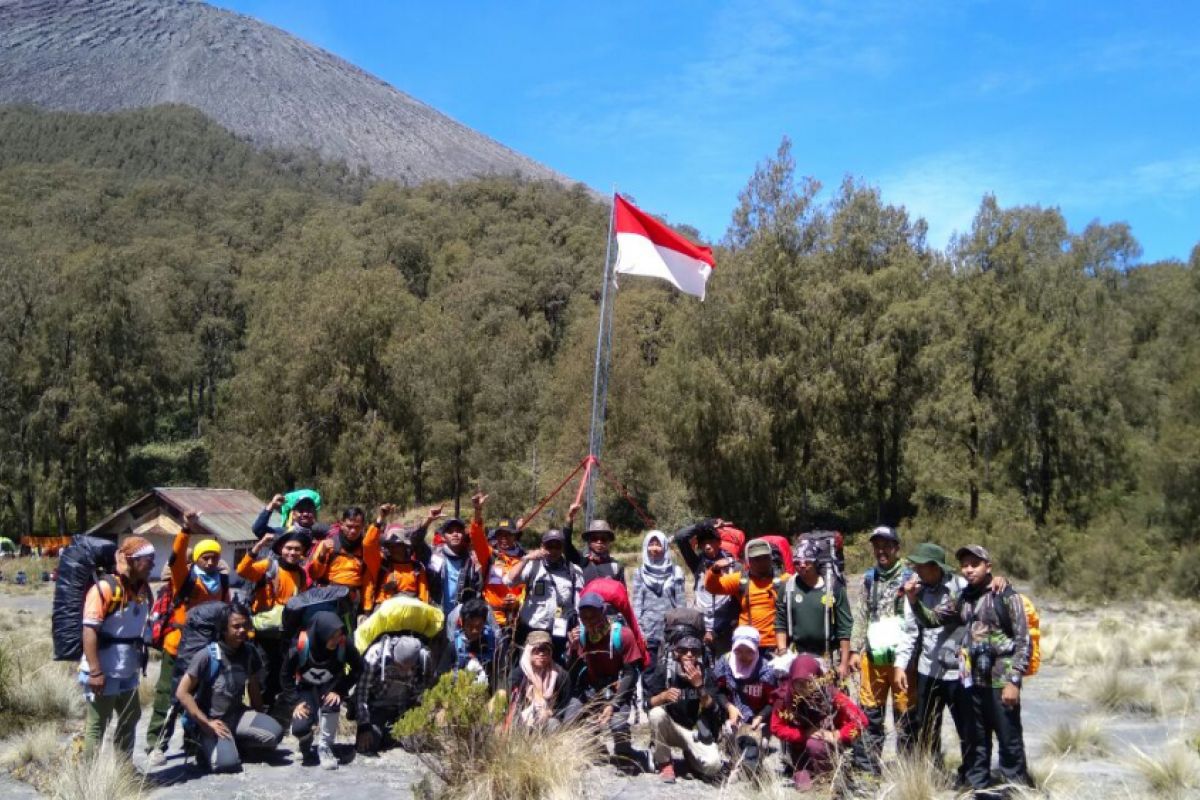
(937, 629)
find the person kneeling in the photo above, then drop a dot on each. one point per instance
(682, 706)
(814, 720)
(396, 672)
(320, 668)
(211, 693)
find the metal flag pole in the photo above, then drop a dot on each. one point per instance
(600, 369)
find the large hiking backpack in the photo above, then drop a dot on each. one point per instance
(400, 615)
(781, 553)
(205, 625)
(299, 610)
(827, 546)
(617, 597)
(83, 562)
(681, 623)
(1034, 622)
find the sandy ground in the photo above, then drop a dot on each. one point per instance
(1058, 694)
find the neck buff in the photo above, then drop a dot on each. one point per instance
(656, 574)
(212, 583)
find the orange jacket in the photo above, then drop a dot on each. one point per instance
(394, 579)
(345, 568)
(197, 595)
(274, 592)
(757, 609)
(497, 564)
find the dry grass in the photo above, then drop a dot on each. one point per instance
(529, 765)
(37, 747)
(1171, 773)
(33, 687)
(911, 779)
(1118, 692)
(108, 776)
(1085, 739)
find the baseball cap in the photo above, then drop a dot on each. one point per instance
(976, 550)
(397, 534)
(886, 533)
(747, 636)
(591, 600)
(451, 523)
(536, 638)
(758, 548)
(505, 526)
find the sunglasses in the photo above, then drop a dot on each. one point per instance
(542, 648)
(688, 651)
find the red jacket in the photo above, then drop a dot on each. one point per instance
(847, 717)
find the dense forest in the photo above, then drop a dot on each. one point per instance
(181, 308)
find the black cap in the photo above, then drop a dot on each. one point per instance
(450, 523)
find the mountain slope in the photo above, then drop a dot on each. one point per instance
(256, 80)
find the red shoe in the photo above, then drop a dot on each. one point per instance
(666, 773)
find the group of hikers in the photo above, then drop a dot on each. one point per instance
(753, 652)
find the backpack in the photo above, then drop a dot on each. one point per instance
(828, 548)
(299, 610)
(1033, 621)
(84, 562)
(683, 622)
(204, 626)
(167, 603)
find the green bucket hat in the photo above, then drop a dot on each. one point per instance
(929, 553)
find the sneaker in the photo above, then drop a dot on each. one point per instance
(156, 758)
(666, 773)
(328, 759)
(307, 753)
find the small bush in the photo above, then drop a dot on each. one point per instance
(36, 748)
(916, 778)
(1117, 692)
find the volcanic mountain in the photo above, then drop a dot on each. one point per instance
(256, 80)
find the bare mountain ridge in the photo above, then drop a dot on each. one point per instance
(256, 80)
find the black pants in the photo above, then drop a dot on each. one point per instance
(933, 696)
(987, 716)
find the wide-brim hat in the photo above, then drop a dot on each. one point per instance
(929, 553)
(601, 528)
(301, 536)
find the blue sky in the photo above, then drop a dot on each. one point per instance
(1093, 107)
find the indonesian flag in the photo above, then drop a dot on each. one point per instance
(646, 246)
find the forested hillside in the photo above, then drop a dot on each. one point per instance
(182, 308)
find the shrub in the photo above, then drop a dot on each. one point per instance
(106, 776)
(1170, 773)
(1117, 692)
(1085, 739)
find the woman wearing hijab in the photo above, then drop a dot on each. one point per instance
(540, 688)
(814, 720)
(657, 588)
(316, 680)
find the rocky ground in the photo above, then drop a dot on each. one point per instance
(1148, 645)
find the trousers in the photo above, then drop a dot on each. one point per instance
(252, 732)
(986, 717)
(666, 733)
(100, 710)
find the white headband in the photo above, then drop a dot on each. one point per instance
(143, 551)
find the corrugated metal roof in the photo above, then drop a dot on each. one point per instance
(226, 514)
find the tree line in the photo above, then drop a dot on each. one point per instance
(184, 308)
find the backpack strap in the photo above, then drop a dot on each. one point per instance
(214, 661)
(1000, 603)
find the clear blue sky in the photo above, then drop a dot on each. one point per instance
(1090, 106)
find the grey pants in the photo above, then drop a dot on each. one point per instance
(326, 716)
(252, 731)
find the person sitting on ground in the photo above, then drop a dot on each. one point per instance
(684, 711)
(998, 648)
(746, 682)
(194, 584)
(552, 587)
(720, 611)
(755, 592)
(813, 720)
(933, 594)
(320, 669)
(882, 621)
(115, 613)
(399, 573)
(804, 621)
(473, 643)
(212, 696)
(540, 689)
(606, 666)
(397, 669)
(657, 588)
(277, 578)
(596, 561)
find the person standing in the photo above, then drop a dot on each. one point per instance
(658, 587)
(882, 622)
(812, 617)
(115, 614)
(552, 588)
(996, 649)
(755, 591)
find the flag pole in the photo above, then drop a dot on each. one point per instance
(600, 368)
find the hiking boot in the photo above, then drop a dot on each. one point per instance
(328, 759)
(306, 749)
(666, 773)
(156, 758)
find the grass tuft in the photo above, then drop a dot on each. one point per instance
(36, 748)
(1171, 773)
(1085, 740)
(1117, 692)
(107, 776)
(912, 779)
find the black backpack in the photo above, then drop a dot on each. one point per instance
(86, 560)
(299, 610)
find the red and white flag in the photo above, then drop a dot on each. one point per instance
(646, 246)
